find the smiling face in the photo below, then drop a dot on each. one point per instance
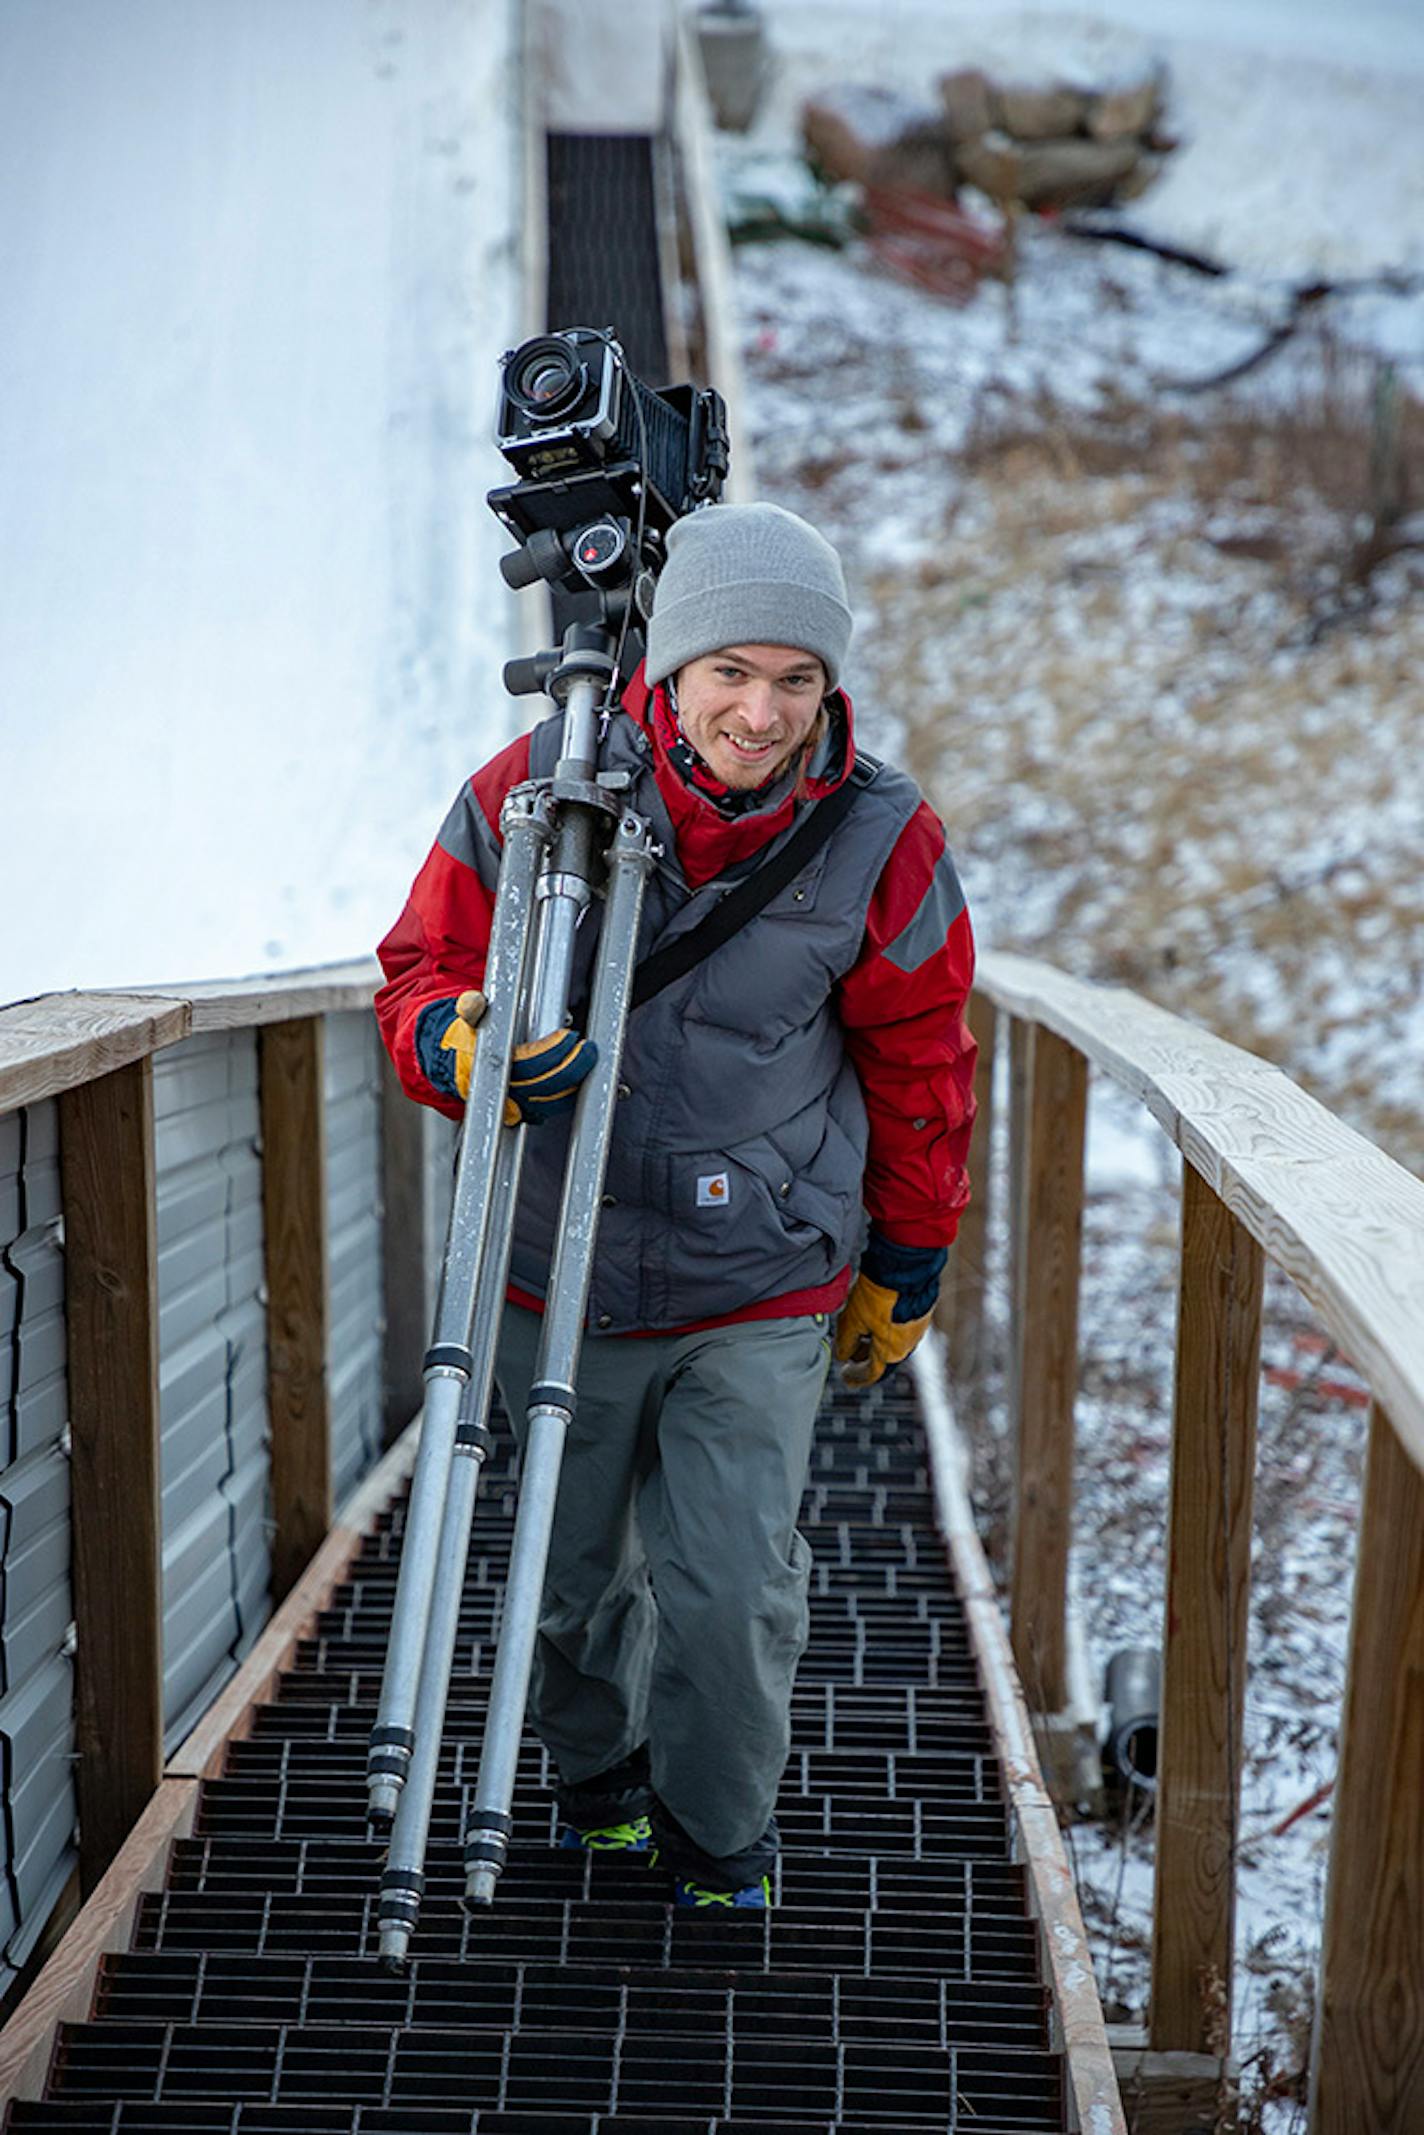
(747, 709)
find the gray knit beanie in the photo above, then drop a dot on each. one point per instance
(747, 574)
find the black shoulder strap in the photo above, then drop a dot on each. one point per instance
(755, 891)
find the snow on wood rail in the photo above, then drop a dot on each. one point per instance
(1268, 1172)
(1342, 1219)
(92, 1059)
(59, 1040)
(138, 1133)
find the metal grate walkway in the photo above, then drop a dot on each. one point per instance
(604, 267)
(895, 1985)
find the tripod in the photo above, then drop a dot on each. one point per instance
(559, 834)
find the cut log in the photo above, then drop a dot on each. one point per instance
(1145, 172)
(968, 111)
(1027, 113)
(1132, 109)
(1044, 174)
(877, 137)
(994, 164)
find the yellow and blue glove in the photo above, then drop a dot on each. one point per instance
(891, 1303)
(544, 1075)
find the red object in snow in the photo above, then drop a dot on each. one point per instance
(932, 242)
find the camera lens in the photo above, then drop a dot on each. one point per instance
(546, 379)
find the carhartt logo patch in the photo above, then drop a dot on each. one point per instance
(714, 1190)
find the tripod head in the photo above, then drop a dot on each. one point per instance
(606, 464)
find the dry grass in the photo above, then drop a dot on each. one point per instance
(1172, 746)
(1346, 449)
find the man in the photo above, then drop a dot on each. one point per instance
(814, 1066)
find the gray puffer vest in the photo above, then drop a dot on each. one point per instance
(739, 1142)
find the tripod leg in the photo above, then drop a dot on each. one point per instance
(403, 1880)
(552, 1397)
(448, 1362)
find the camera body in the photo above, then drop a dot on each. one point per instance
(589, 441)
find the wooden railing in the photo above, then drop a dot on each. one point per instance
(94, 1054)
(1267, 1173)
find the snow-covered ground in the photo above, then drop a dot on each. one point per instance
(1311, 1435)
(1122, 632)
(258, 263)
(1301, 150)
(1115, 632)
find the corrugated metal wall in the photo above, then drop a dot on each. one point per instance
(37, 1852)
(215, 1452)
(212, 1366)
(353, 1197)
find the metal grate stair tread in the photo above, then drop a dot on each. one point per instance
(895, 1985)
(476, 1993)
(249, 2117)
(895, 2081)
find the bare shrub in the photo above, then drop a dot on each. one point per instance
(1335, 434)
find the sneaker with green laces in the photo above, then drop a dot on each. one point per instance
(753, 1897)
(635, 1836)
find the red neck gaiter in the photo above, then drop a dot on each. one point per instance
(709, 841)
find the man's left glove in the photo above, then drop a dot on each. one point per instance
(544, 1075)
(889, 1307)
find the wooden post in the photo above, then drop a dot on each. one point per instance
(1368, 2064)
(961, 1319)
(1204, 1639)
(1020, 1043)
(402, 1250)
(1046, 1303)
(111, 1307)
(294, 1218)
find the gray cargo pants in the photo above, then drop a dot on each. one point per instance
(675, 1606)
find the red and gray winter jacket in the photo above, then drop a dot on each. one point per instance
(816, 1063)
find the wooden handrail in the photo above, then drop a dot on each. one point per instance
(1268, 1173)
(692, 135)
(91, 1055)
(59, 1040)
(1343, 1220)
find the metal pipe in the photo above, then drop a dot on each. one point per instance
(487, 1834)
(403, 1879)
(564, 888)
(578, 744)
(1134, 1697)
(393, 1736)
(553, 1398)
(630, 861)
(527, 827)
(448, 1365)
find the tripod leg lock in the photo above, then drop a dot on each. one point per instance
(486, 1850)
(397, 1914)
(549, 1394)
(451, 1357)
(492, 1825)
(390, 1750)
(401, 1892)
(482, 1849)
(476, 1439)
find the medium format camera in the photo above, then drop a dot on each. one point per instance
(589, 441)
